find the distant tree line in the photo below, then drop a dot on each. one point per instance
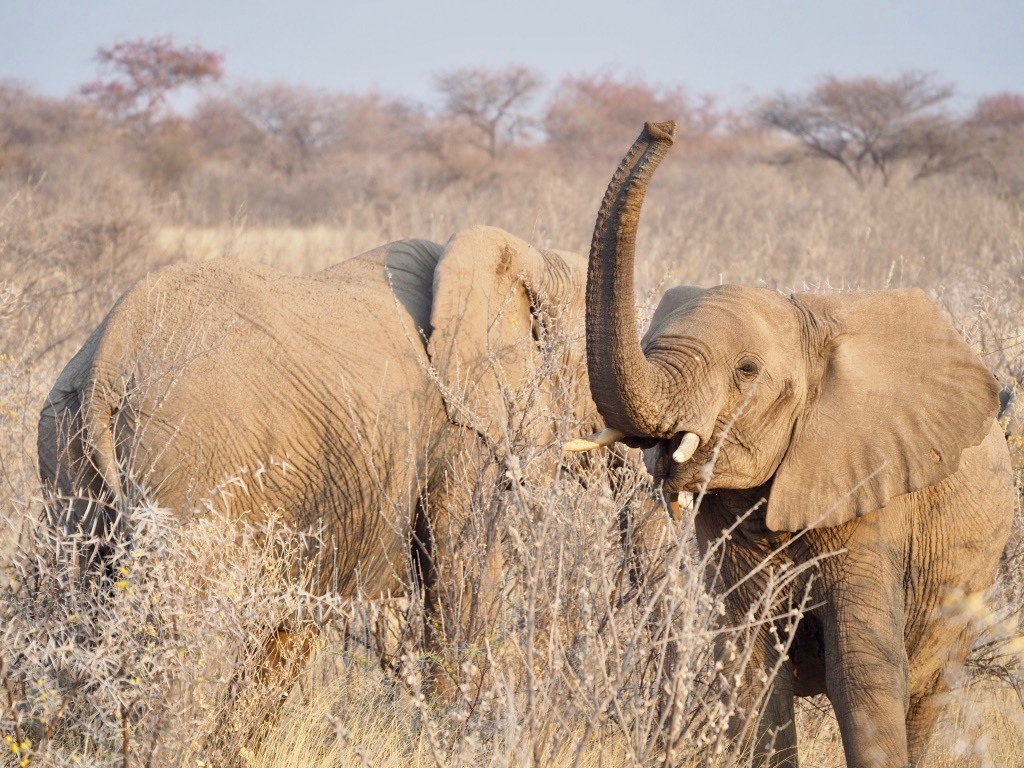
(875, 129)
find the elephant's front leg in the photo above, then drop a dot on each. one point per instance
(866, 669)
(737, 567)
(776, 731)
(764, 718)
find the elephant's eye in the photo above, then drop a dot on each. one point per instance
(748, 368)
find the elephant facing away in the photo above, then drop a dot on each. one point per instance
(344, 399)
(857, 428)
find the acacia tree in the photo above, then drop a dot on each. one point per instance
(869, 124)
(493, 103)
(138, 75)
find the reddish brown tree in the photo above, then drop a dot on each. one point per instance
(138, 75)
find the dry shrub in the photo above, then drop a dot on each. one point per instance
(157, 656)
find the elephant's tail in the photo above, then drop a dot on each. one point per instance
(76, 442)
(77, 465)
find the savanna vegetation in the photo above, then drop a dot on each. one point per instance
(602, 651)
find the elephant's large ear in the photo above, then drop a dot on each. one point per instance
(900, 396)
(482, 341)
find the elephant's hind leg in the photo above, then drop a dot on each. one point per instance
(278, 666)
(77, 501)
(259, 687)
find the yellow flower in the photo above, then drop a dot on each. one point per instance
(122, 584)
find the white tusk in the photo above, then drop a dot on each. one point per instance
(684, 452)
(604, 437)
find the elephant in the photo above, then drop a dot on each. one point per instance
(851, 433)
(346, 399)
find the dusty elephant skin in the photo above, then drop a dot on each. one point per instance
(345, 399)
(856, 426)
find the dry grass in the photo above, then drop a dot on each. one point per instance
(573, 674)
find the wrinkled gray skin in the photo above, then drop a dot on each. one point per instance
(318, 392)
(853, 423)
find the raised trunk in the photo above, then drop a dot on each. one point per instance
(629, 391)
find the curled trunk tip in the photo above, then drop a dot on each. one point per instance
(665, 132)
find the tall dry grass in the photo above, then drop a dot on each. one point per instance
(600, 654)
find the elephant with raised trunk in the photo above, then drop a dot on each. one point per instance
(853, 428)
(349, 400)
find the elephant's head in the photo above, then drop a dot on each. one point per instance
(496, 301)
(842, 400)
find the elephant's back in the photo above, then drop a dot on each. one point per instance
(235, 368)
(230, 315)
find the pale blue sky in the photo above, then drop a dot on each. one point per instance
(734, 48)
